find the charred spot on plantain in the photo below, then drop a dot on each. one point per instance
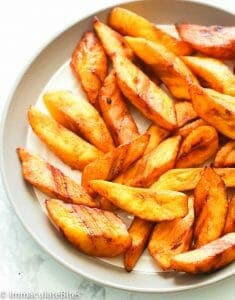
(107, 239)
(109, 100)
(141, 196)
(228, 112)
(176, 245)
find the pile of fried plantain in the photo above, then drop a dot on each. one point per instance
(172, 178)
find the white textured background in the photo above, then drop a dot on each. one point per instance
(24, 26)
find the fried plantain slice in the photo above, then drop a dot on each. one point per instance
(139, 231)
(79, 116)
(146, 204)
(208, 258)
(89, 64)
(216, 41)
(51, 181)
(172, 237)
(115, 112)
(65, 144)
(210, 204)
(215, 108)
(225, 157)
(151, 100)
(128, 23)
(200, 145)
(214, 72)
(93, 231)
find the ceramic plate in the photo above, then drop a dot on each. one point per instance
(49, 71)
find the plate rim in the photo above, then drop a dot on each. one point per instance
(8, 192)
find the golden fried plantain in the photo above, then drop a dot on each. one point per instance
(230, 218)
(187, 179)
(208, 258)
(89, 65)
(157, 135)
(147, 169)
(79, 116)
(152, 101)
(214, 72)
(215, 108)
(51, 180)
(170, 68)
(172, 237)
(129, 23)
(225, 157)
(210, 204)
(184, 113)
(215, 41)
(69, 147)
(115, 112)
(111, 164)
(146, 204)
(200, 145)
(139, 231)
(93, 231)
(112, 41)
(186, 129)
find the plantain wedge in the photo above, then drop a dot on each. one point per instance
(146, 204)
(170, 68)
(215, 41)
(225, 157)
(215, 108)
(51, 180)
(139, 231)
(69, 147)
(152, 101)
(172, 237)
(208, 258)
(187, 179)
(211, 204)
(115, 112)
(200, 145)
(79, 116)
(128, 23)
(93, 231)
(111, 164)
(89, 64)
(112, 41)
(214, 72)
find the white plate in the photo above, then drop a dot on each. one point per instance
(49, 70)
